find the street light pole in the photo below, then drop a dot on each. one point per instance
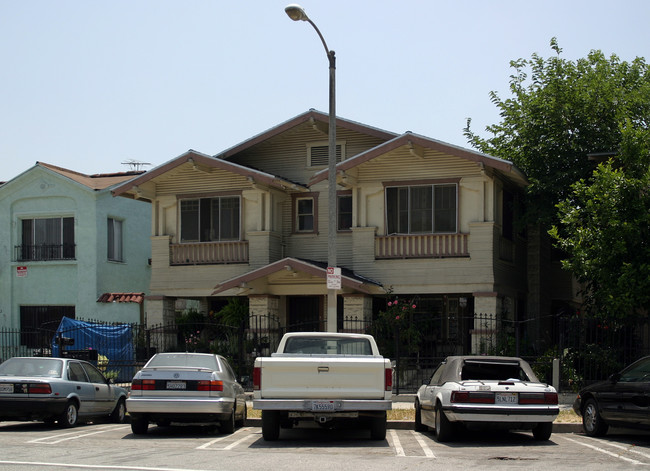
(296, 13)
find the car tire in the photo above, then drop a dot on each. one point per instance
(118, 416)
(419, 426)
(139, 425)
(592, 423)
(444, 428)
(270, 425)
(70, 415)
(228, 426)
(543, 431)
(378, 427)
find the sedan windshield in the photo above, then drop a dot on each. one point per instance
(191, 360)
(46, 367)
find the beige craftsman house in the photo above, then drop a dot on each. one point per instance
(417, 217)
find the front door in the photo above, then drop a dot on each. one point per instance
(304, 313)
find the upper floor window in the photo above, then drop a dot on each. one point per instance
(318, 153)
(305, 212)
(47, 239)
(210, 219)
(344, 211)
(115, 240)
(421, 209)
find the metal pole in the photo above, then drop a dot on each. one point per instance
(331, 201)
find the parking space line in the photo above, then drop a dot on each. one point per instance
(630, 448)
(602, 450)
(75, 435)
(399, 451)
(427, 451)
(218, 439)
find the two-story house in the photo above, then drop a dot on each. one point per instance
(416, 217)
(69, 248)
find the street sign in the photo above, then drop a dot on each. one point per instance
(333, 278)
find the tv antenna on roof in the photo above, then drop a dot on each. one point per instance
(135, 165)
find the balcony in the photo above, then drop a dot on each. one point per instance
(421, 246)
(44, 252)
(209, 253)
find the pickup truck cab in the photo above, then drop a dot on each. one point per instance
(325, 378)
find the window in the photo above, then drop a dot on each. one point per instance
(210, 219)
(344, 212)
(305, 215)
(421, 209)
(318, 154)
(115, 240)
(47, 239)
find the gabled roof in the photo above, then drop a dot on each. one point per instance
(310, 267)
(197, 158)
(411, 140)
(96, 182)
(310, 116)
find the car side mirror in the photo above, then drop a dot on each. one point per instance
(614, 378)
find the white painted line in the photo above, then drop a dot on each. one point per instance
(217, 440)
(601, 450)
(399, 451)
(234, 444)
(630, 448)
(93, 466)
(427, 451)
(76, 434)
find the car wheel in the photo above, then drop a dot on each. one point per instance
(70, 415)
(419, 426)
(228, 426)
(139, 425)
(542, 431)
(270, 425)
(444, 428)
(378, 427)
(592, 422)
(119, 413)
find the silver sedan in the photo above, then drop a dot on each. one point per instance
(57, 389)
(186, 388)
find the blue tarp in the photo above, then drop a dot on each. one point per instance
(114, 342)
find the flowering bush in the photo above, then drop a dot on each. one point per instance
(398, 320)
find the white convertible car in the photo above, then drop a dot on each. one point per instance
(485, 392)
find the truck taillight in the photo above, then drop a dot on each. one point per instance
(257, 378)
(388, 379)
(143, 385)
(210, 386)
(39, 388)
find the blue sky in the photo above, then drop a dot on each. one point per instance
(87, 85)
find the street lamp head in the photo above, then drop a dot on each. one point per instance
(296, 12)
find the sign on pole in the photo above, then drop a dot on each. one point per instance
(333, 278)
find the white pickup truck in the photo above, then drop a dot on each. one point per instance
(326, 378)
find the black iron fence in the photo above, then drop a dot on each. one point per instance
(588, 350)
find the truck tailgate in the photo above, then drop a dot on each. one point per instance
(322, 377)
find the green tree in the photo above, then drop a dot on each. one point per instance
(564, 111)
(604, 227)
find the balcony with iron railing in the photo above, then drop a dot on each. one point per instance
(208, 253)
(421, 246)
(44, 252)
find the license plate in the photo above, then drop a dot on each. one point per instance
(6, 388)
(176, 385)
(322, 406)
(506, 398)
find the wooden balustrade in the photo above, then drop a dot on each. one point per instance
(422, 246)
(206, 253)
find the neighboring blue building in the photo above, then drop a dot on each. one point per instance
(69, 248)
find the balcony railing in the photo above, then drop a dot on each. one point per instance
(44, 252)
(209, 253)
(422, 246)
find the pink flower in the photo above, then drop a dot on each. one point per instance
(413, 306)
(403, 308)
(396, 318)
(389, 304)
